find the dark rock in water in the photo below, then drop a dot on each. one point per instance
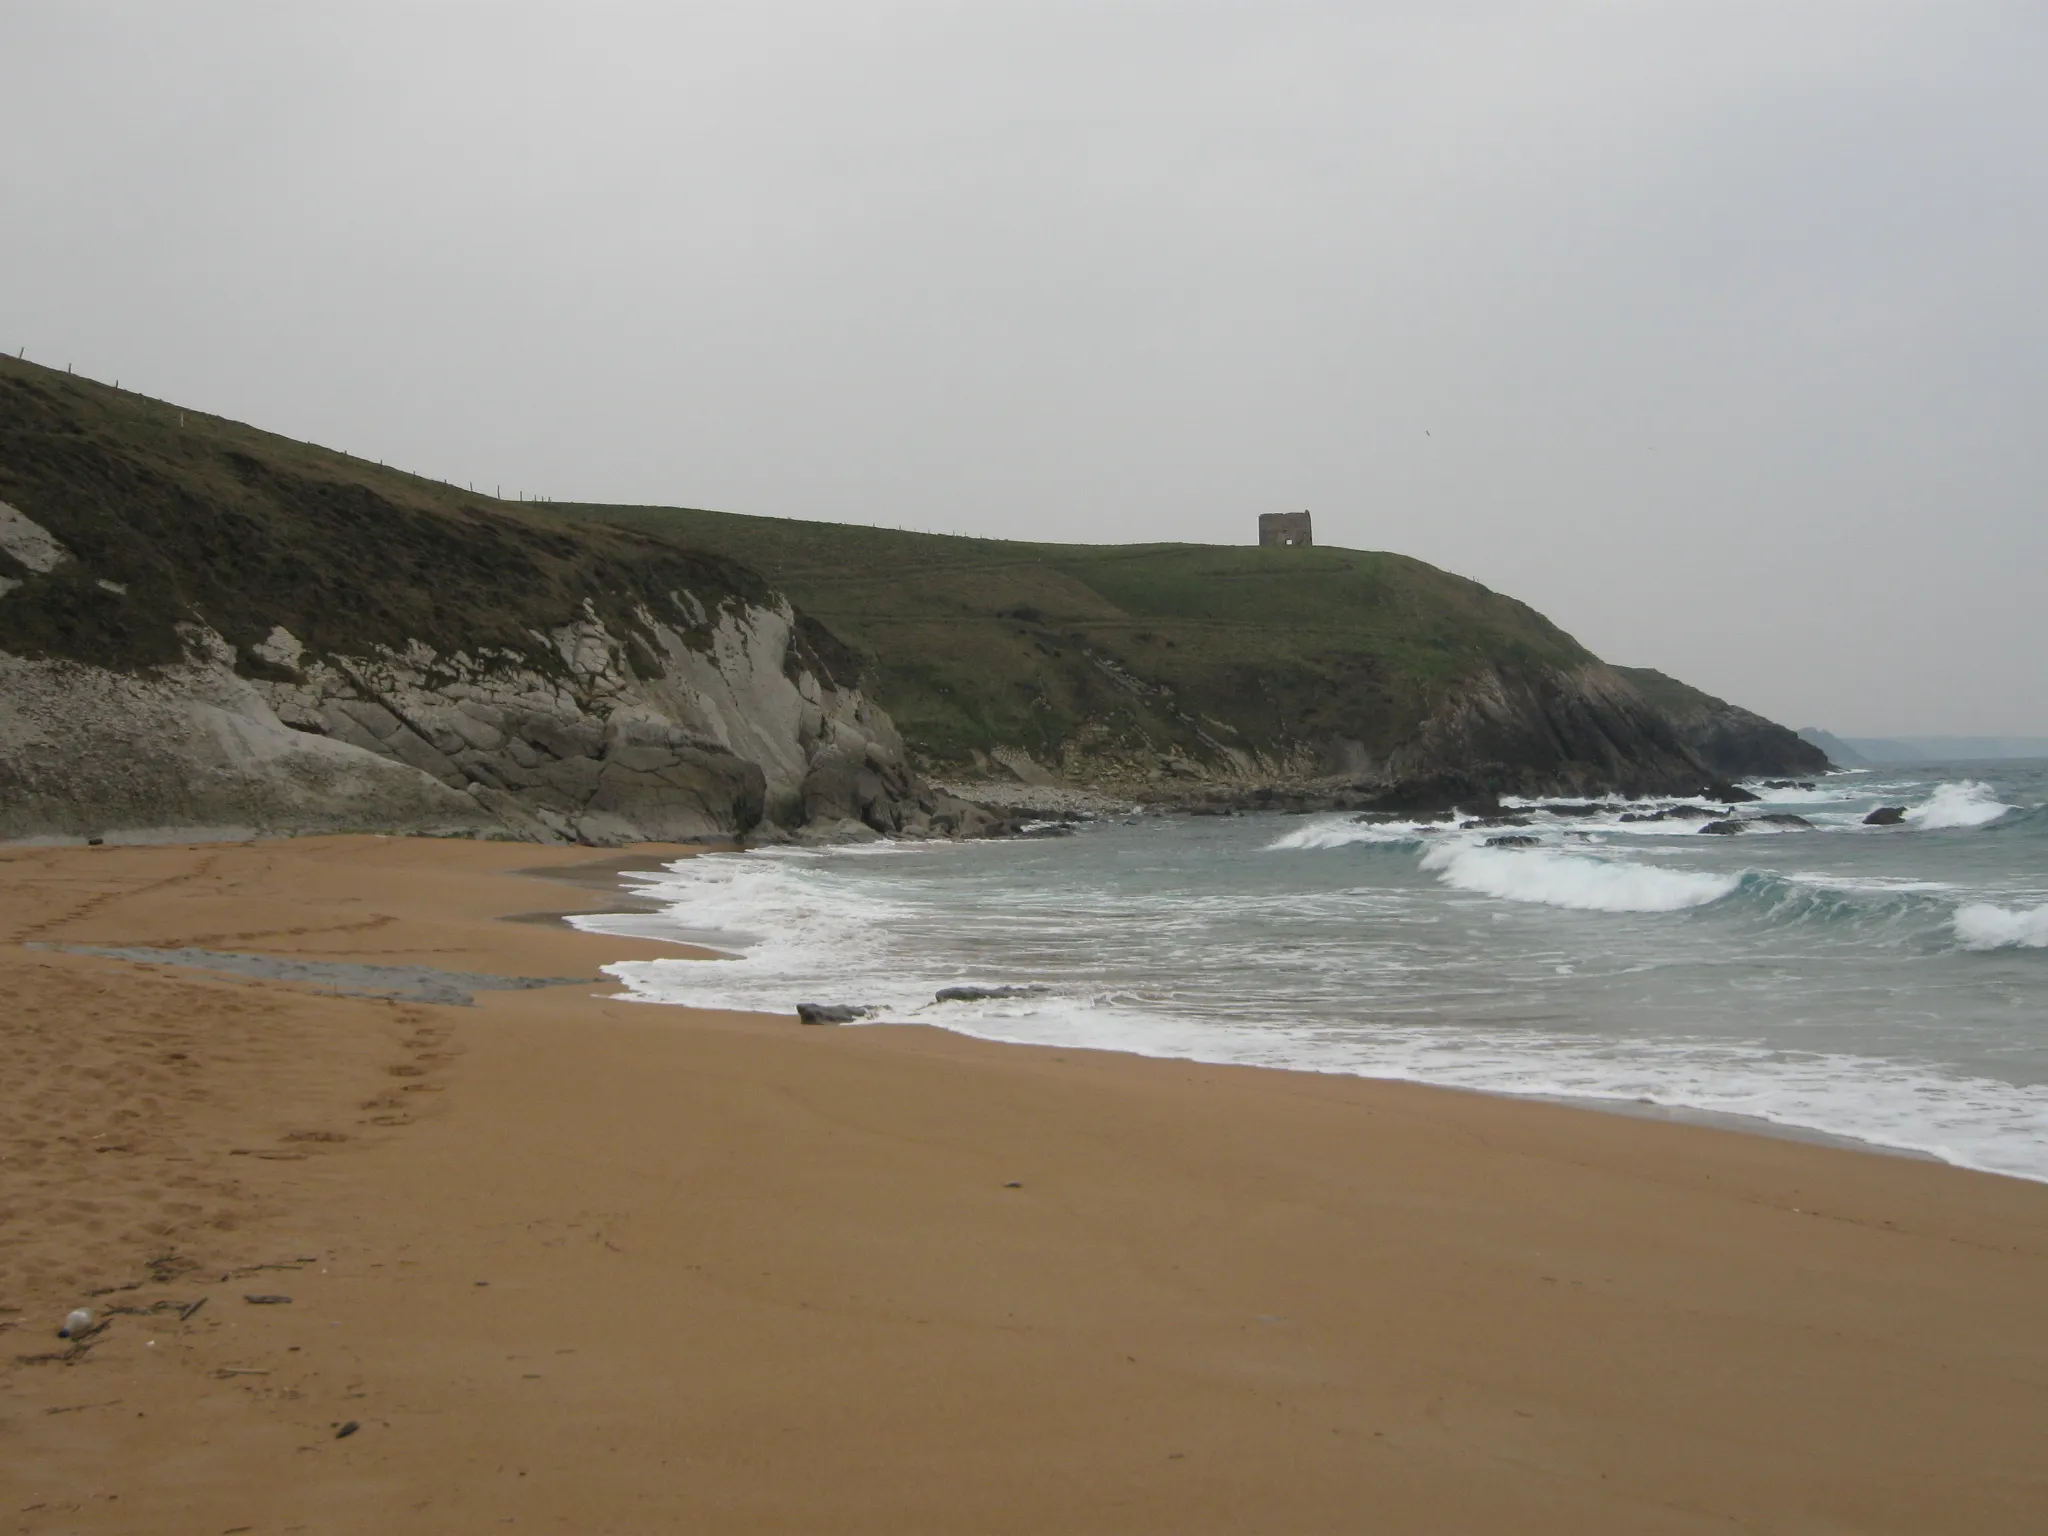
(1682, 813)
(1728, 794)
(1786, 784)
(1885, 816)
(984, 994)
(1774, 819)
(1575, 810)
(1513, 840)
(1493, 821)
(829, 1013)
(1439, 792)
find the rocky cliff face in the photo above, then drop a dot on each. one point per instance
(1570, 731)
(706, 723)
(1552, 732)
(729, 733)
(1734, 742)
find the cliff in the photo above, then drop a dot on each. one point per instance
(204, 627)
(1734, 742)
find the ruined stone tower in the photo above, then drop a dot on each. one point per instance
(1287, 529)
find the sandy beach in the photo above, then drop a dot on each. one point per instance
(575, 1264)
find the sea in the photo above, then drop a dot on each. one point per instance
(1882, 984)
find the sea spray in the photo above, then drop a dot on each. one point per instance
(1967, 803)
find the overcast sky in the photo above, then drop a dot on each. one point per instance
(1715, 331)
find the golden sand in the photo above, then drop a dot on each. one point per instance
(584, 1265)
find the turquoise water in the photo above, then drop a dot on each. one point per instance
(1884, 983)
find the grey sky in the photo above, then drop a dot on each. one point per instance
(1714, 330)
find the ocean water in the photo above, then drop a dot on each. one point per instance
(1888, 984)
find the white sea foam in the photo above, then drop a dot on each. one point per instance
(1967, 803)
(765, 909)
(1983, 926)
(1577, 881)
(1975, 1122)
(1156, 943)
(1821, 794)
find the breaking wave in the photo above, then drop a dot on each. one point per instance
(1344, 832)
(1967, 803)
(1983, 926)
(1573, 880)
(1854, 980)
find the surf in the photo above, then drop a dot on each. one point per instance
(1578, 882)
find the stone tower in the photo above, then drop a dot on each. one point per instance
(1286, 529)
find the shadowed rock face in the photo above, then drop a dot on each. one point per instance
(1552, 732)
(1549, 731)
(1733, 742)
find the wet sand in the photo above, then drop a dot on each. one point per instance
(586, 1265)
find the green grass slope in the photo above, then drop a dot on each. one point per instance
(1097, 652)
(198, 519)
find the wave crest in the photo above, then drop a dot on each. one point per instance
(1983, 926)
(1341, 833)
(1968, 803)
(1573, 880)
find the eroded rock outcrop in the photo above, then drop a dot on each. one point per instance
(191, 751)
(1549, 732)
(721, 729)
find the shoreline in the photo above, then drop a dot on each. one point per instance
(608, 874)
(565, 1259)
(1757, 1125)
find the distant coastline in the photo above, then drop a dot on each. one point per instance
(1863, 751)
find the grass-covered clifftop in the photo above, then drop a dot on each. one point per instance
(981, 643)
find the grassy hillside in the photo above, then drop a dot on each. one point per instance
(174, 515)
(1110, 648)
